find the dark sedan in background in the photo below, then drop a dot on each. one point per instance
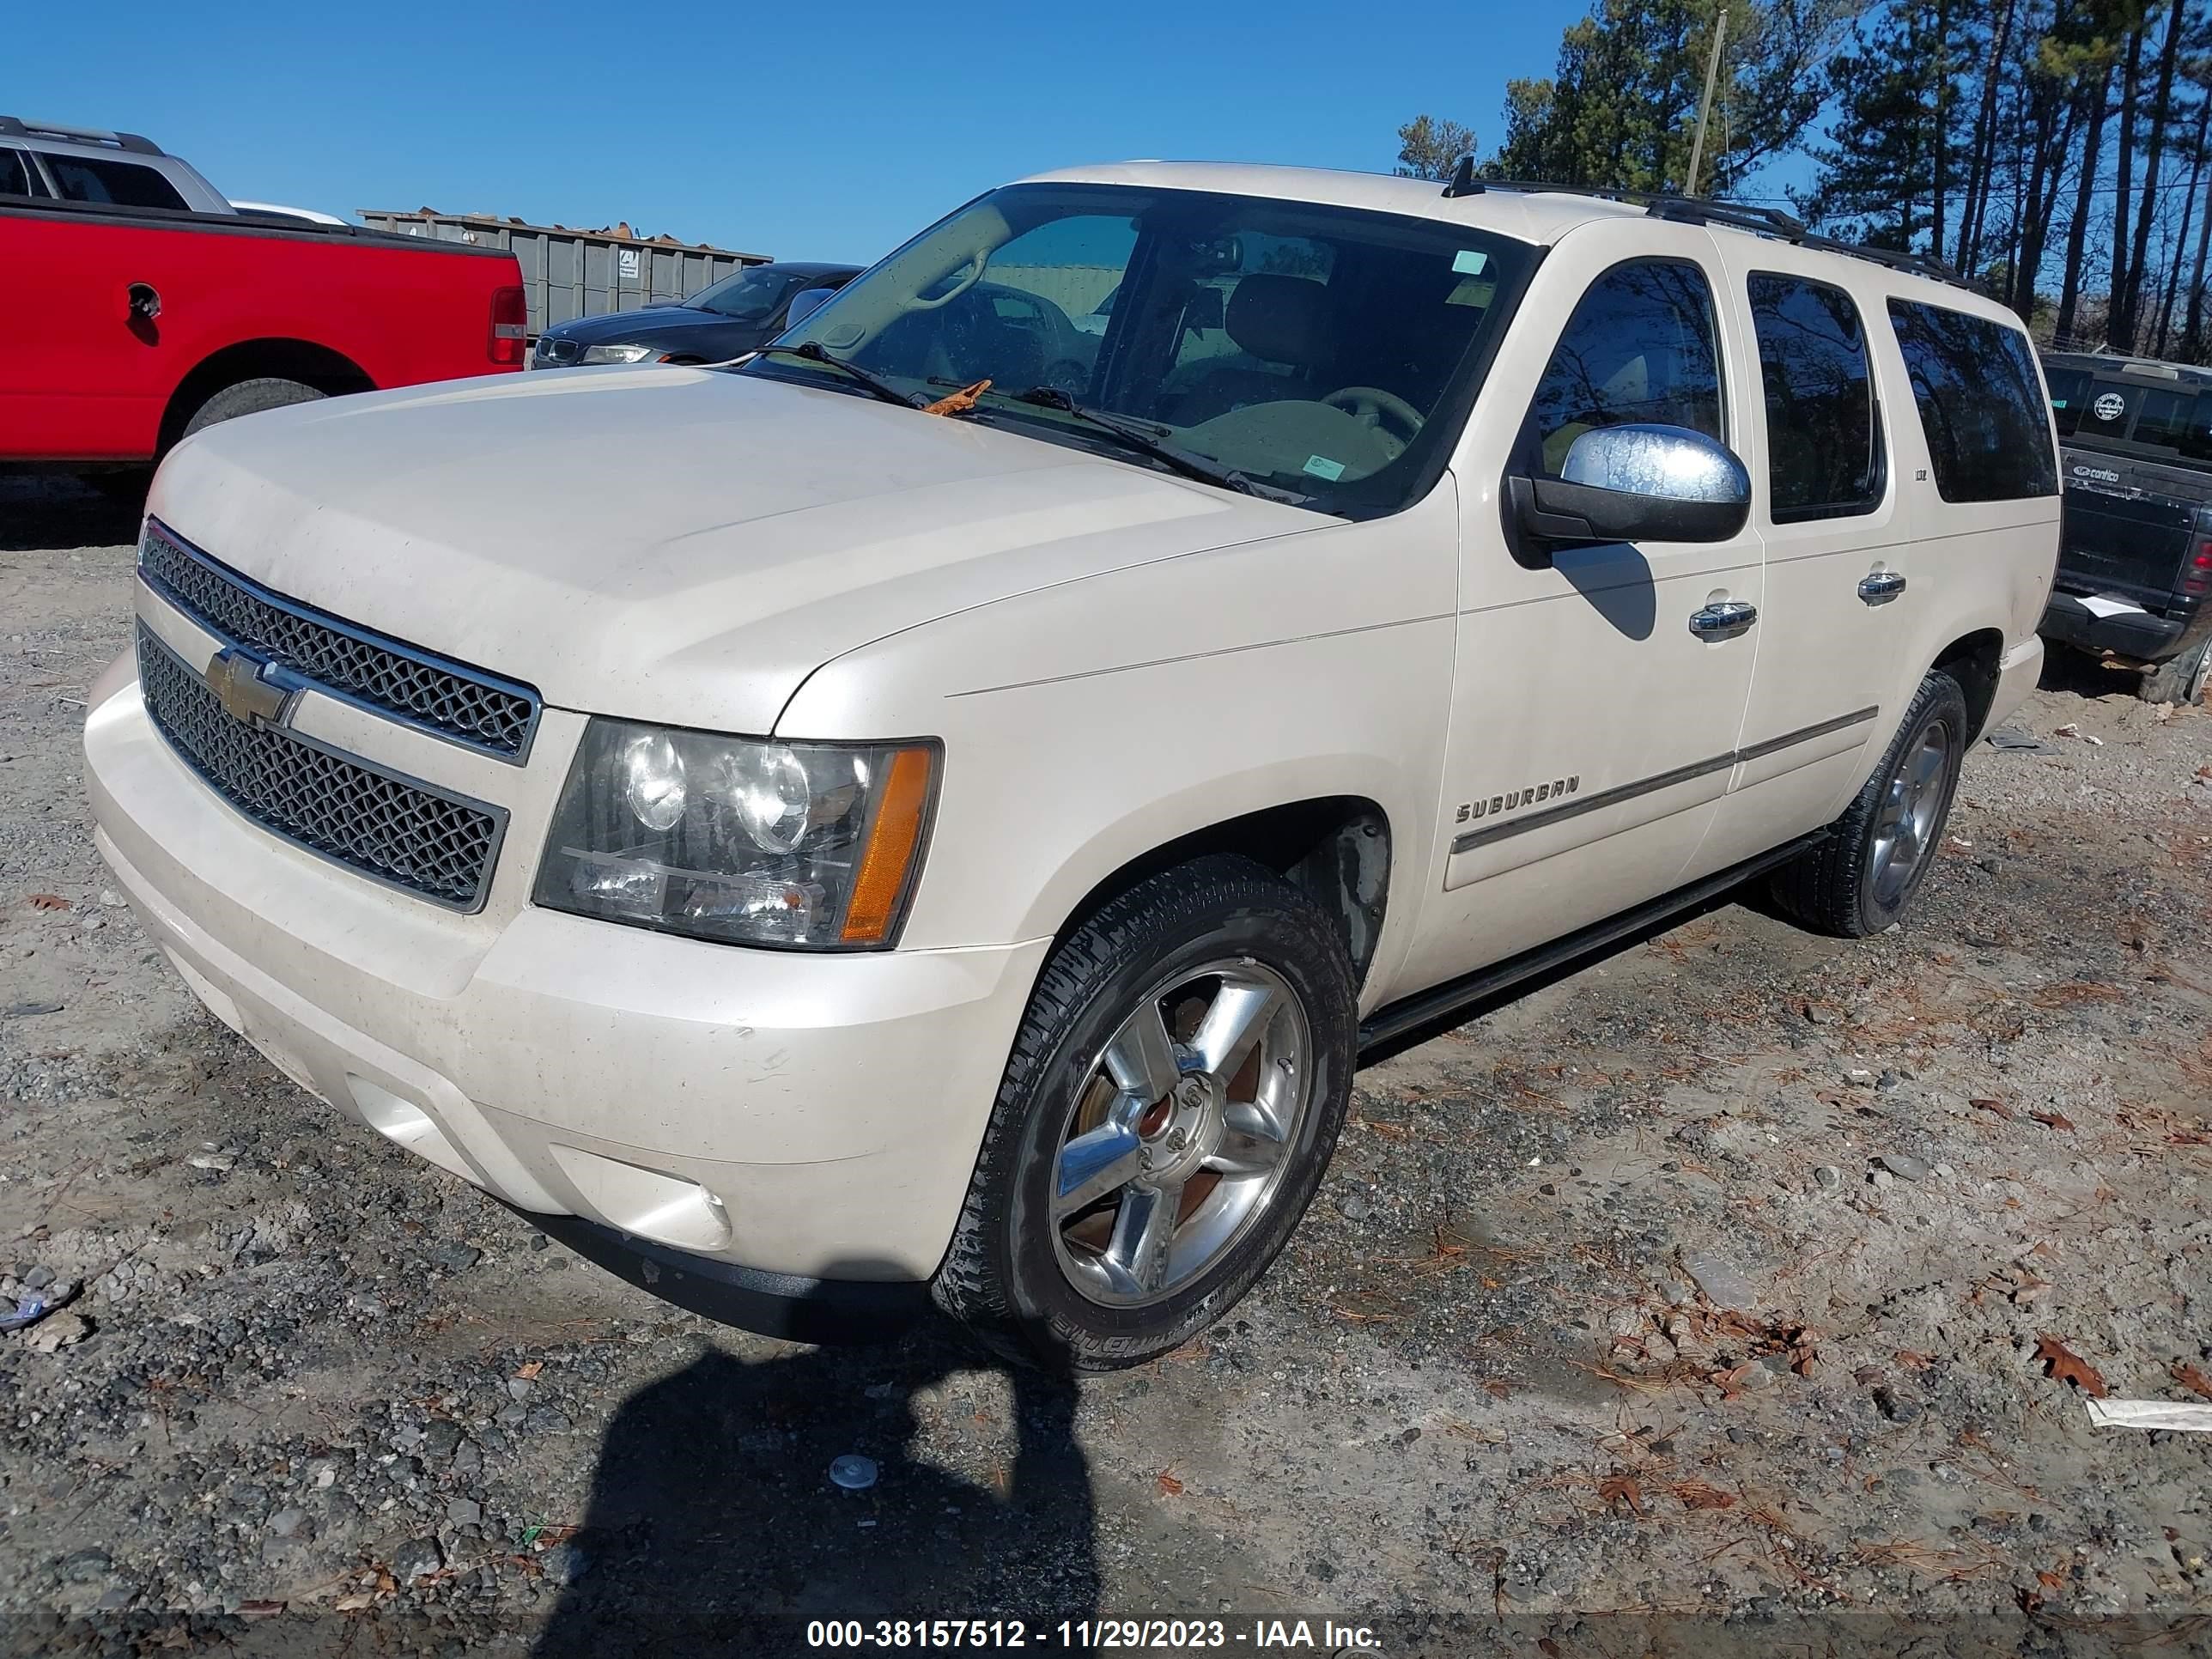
(740, 314)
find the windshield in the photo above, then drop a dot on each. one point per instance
(751, 296)
(1325, 351)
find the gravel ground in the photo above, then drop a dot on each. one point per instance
(1690, 1301)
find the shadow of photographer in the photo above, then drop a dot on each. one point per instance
(714, 1525)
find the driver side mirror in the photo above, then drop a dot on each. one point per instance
(805, 303)
(1636, 484)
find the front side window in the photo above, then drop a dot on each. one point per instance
(114, 183)
(1973, 381)
(1641, 348)
(1824, 458)
(1324, 352)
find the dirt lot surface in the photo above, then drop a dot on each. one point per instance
(1740, 1292)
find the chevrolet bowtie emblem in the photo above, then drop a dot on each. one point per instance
(235, 677)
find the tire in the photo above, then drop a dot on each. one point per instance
(249, 397)
(2179, 679)
(1051, 1289)
(1844, 886)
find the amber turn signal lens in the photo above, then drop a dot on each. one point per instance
(893, 842)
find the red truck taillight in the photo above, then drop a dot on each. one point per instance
(2198, 577)
(510, 316)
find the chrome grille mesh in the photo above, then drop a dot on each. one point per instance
(461, 703)
(393, 828)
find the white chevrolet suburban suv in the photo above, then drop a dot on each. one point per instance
(938, 807)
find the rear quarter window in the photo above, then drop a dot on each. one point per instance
(2069, 396)
(17, 176)
(116, 184)
(1974, 384)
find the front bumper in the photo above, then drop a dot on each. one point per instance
(788, 1305)
(790, 1118)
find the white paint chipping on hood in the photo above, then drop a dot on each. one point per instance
(672, 544)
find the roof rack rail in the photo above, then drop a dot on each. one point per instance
(15, 127)
(1707, 210)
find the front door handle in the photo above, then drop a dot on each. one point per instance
(1723, 619)
(1881, 587)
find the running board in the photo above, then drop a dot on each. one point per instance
(1426, 1008)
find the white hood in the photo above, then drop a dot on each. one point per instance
(665, 544)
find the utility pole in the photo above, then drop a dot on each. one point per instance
(1705, 104)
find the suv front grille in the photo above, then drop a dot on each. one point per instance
(399, 830)
(464, 704)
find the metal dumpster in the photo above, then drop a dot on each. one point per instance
(567, 273)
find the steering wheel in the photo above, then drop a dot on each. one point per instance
(1369, 405)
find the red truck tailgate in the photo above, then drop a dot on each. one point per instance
(88, 378)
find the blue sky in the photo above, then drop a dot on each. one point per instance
(859, 124)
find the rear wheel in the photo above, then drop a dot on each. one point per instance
(1173, 1097)
(1877, 855)
(2179, 679)
(249, 397)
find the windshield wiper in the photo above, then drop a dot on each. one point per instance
(810, 351)
(1182, 460)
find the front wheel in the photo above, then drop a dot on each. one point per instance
(1877, 855)
(1173, 1097)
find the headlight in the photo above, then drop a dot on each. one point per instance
(806, 844)
(616, 354)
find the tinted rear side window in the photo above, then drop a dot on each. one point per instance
(2069, 395)
(1823, 443)
(1989, 433)
(117, 184)
(16, 178)
(2165, 417)
(1641, 346)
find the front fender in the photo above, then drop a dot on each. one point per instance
(1087, 723)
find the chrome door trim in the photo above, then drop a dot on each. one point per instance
(1613, 797)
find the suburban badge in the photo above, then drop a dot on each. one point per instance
(1527, 795)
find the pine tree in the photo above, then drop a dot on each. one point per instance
(1619, 110)
(1878, 178)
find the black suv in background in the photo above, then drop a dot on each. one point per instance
(2135, 556)
(740, 314)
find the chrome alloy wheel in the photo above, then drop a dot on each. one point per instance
(1904, 829)
(1181, 1131)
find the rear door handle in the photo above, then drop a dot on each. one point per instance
(1881, 587)
(1724, 620)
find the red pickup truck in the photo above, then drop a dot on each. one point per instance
(143, 308)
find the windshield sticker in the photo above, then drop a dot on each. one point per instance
(2110, 407)
(1477, 291)
(1470, 261)
(1321, 467)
